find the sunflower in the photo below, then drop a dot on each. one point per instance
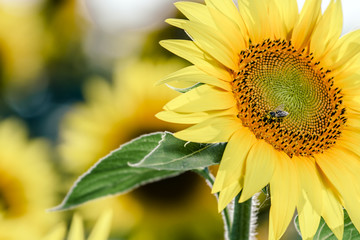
(24, 195)
(21, 60)
(92, 129)
(76, 231)
(279, 86)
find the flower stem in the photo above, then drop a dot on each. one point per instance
(240, 229)
(205, 173)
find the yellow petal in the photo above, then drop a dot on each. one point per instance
(210, 41)
(351, 161)
(332, 213)
(228, 8)
(310, 181)
(260, 165)
(195, 12)
(229, 29)
(340, 177)
(275, 21)
(228, 194)
(193, 118)
(255, 15)
(308, 218)
(194, 75)
(233, 160)
(77, 229)
(179, 23)
(350, 141)
(202, 98)
(189, 51)
(102, 228)
(289, 13)
(344, 53)
(306, 23)
(284, 191)
(350, 84)
(328, 30)
(213, 130)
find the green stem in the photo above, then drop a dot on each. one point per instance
(205, 173)
(240, 229)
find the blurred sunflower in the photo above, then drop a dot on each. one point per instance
(27, 184)
(76, 231)
(60, 41)
(20, 44)
(116, 113)
(279, 87)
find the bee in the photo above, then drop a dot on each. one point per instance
(277, 114)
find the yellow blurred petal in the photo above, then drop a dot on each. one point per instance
(260, 165)
(308, 218)
(328, 30)
(77, 229)
(97, 90)
(228, 194)
(210, 41)
(284, 191)
(58, 233)
(306, 23)
(310, 181)
(202, 98)
(213, 130)
(102, 228)
(193, 118)
(194, 75)
(189, 51)
(233, 160)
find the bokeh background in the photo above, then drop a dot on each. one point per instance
(76, 81)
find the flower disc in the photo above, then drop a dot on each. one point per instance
(286, 99)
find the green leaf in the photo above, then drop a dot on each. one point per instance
(175, 154)
(112, 174)
(324, 232)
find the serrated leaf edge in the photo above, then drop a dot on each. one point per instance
(61, 207)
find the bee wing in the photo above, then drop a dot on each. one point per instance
(279, 108)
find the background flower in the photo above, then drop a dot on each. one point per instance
(76, 232)
(28, 184)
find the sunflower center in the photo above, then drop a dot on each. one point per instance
(13, 202)
(287, 99)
